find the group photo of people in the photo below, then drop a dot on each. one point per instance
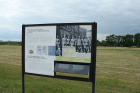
(81, 44)
(73, 38)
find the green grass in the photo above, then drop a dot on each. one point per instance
(117, 71)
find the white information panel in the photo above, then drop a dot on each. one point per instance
(40, 49)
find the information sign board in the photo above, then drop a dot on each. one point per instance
(59, 47)
(46, 43)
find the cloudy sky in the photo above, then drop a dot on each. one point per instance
(118, 17)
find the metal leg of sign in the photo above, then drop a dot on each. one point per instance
(93, 56)
(23, 56)
(23, 83)
(93, 87)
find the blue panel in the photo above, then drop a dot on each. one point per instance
(51, 50)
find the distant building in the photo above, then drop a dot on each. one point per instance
(88, 33)
(82, 32)
(70, 30)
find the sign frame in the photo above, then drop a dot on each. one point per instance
(92, 65)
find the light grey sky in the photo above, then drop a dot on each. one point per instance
(118, 17)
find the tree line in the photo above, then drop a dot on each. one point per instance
(121, 40)
(11, 43)
(111, 40)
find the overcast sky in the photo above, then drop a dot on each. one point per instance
(118, 17)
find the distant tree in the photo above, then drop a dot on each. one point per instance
(122, 41)
(111, 40)
(98, 43)
(118, 40)
(104, 43)
(137, 39)
(129, 40)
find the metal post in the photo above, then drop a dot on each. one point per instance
(23, 56)
(93, 56)
(93, 87)
(23, 83)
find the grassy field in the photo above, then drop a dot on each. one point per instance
(117, 71)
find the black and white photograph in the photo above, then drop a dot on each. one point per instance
(73, 41)
(58, 46)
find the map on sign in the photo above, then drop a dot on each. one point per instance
(45, 44)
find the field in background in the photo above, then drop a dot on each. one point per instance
(117, 71)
